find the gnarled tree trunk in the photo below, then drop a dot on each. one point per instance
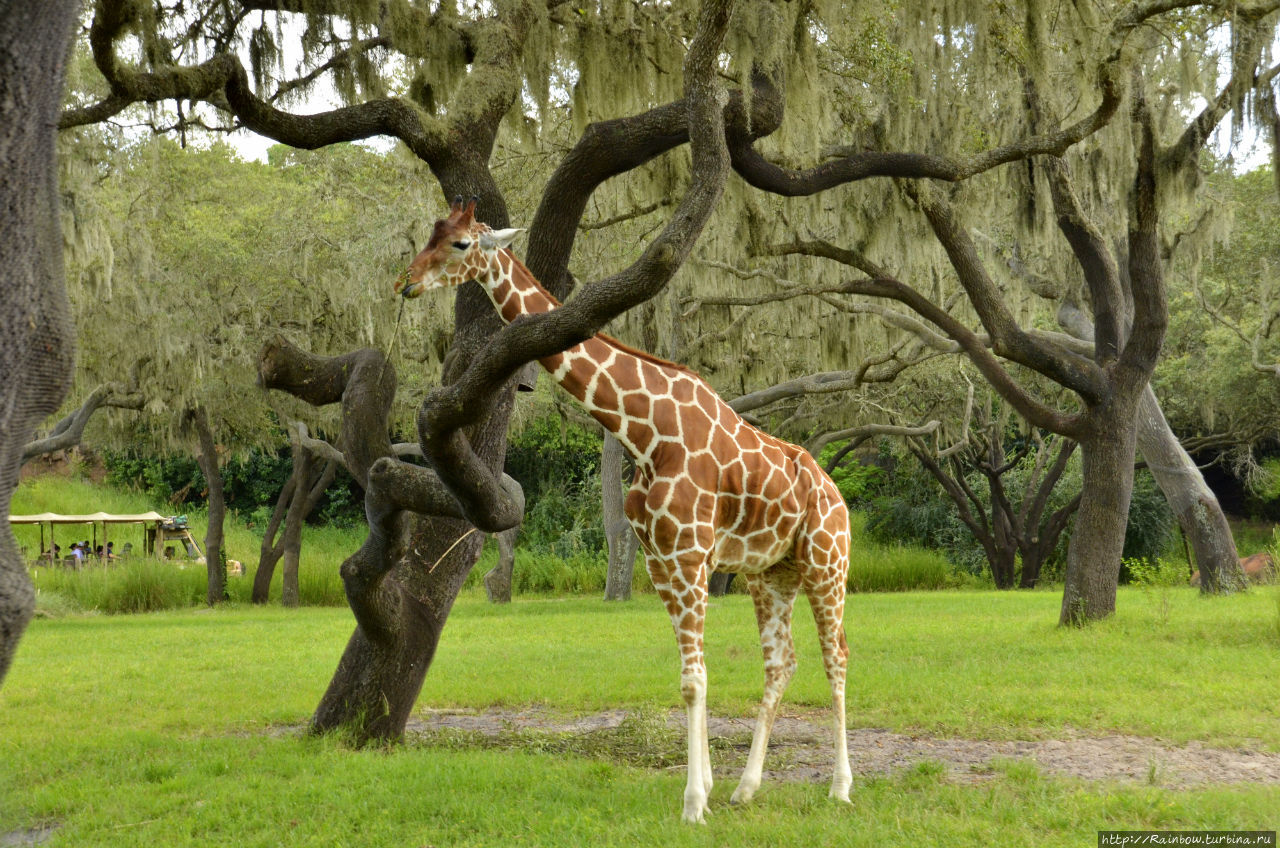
(36, 336)
(402, 582)
(1097, 541)
(298, 497)
(1193, 503)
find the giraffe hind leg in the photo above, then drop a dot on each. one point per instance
(826, 597)
(773, 592)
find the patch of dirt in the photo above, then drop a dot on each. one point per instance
(28, 836)
(800, 749)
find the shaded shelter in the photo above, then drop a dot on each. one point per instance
(156, 528)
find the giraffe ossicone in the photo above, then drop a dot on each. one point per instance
(711, 492)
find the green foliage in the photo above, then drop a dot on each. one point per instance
(913, 508)
(1206, 381)
(205, 268)
(910, 508)
(251, 483)
(1155, 572)
(173, 480)
(856, 481)
(1156, 577)
(1151, 523)
(558, 466)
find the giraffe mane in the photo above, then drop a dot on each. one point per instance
(607, 339)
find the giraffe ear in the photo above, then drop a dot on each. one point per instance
(499, 239)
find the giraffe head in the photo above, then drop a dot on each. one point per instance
(460, 249)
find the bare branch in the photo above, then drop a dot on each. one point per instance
(866, 430)
(70, 430)
(972, 344)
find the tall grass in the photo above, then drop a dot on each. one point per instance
(876, 567)
(139, 584)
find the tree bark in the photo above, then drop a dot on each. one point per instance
(36, 335)
(618, 532)
(215, 557)
(272, 550)
(1097, 542)
(497, 582)
(291, 541)
(403, 580)
(1193, 503)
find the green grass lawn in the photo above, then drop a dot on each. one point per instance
(180, 728)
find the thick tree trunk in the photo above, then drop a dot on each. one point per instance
(1097, 542)
(403, 581)
(36, 336)
(497, 582)
(215, 557)
(1193, 503)
(1032, 565)
(619, 534)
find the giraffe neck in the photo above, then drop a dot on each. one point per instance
(601, 376)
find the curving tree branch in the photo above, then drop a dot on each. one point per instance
(70, 430)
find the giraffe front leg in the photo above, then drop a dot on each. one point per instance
(685, 600)
(697, 790)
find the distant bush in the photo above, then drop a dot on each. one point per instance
(558, 467)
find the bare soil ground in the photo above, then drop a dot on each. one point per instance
(800, 749)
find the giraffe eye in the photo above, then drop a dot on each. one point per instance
(462, 245)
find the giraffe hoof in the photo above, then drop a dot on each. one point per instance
(695, 810)
(840, 794)
(740, 797)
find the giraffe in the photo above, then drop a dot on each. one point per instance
(711, 492)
